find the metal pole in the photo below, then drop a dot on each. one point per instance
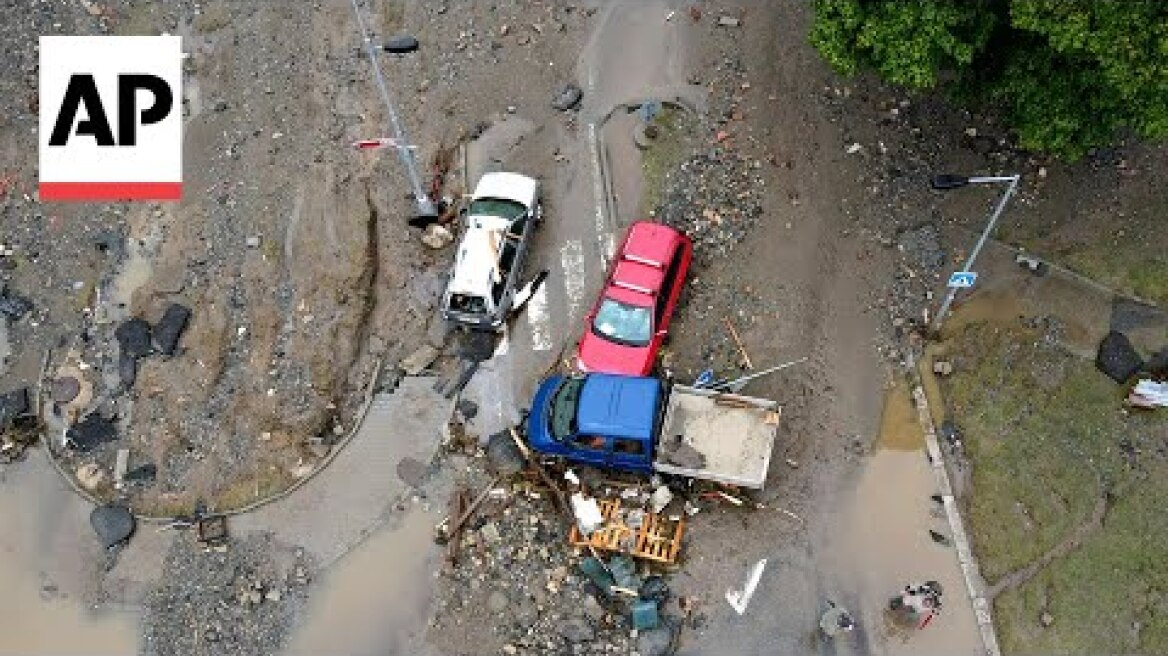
(425, 207)
(985, 235)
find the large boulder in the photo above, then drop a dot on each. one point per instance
(170, 328)
(113, 524)
(133, 337)
(1117, 357)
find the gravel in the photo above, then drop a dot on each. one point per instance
(241, 601)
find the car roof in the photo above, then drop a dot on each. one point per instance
(633, 282)
(508, 186)
(618, 406)
(652, 242)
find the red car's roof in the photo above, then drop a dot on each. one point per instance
(651, 242)
(637, 278)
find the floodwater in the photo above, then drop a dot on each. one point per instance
(46, 552)
(376, 600)
(881, 541)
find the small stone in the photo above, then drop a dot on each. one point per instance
(497, 602)
(1046, 619)
(942, 367)
(272, 595)
(490, 532)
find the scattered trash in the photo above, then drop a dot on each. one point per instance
(121, 464)
(134, 337)
(737, 384)
(1117, 357)
(942, 367)
(90, 433)
(645, 615)
(142, 474)
(90, 476)
(64, 389)
(658, 539)
(728, 21)
(738, 343)
(170, 328)
(450, 527)
(854, 148)
(503, 456)
(683, 455)
(916, 605)
(127, 370)
(660, 498)
(740, 599)
(1149, 394)
(587, 512)
(940, 538)
(527, 291)
(113, 524)
(212, 530)
(836, 621)
(253, 241)
(568, 97)
(792, 463)
(1032, 264)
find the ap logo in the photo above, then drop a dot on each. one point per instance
(110, 118)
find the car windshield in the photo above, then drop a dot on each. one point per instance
(626, 324)
(508, 209)
(567, 397)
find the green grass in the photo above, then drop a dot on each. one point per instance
(1042, 431)
(1128, 270)
(668, 151)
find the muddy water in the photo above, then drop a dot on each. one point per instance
(899, 428)
(883, 544)
(376, 599)
(47, 555)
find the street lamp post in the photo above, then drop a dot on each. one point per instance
(945, 182)
(425, 211)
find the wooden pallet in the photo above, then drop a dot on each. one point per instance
(657, 539)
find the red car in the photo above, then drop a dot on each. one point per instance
(628, 323)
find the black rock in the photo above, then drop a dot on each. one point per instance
(14, 306)
(503, 455)
(467, 408)
(12, 405)
(170, 328)
(113, 524)
(134, 337)
(1117, 357)
(143, 474)
(401, 44)
(91, 432)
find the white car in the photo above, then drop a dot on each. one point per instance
(500, 220)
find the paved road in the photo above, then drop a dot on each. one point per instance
(634, 54)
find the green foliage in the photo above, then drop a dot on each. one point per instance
(1068, 75)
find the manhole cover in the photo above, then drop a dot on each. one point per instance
(65, 389)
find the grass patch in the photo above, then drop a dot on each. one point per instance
(1143, 275)
(669, 149)
(1046, 435)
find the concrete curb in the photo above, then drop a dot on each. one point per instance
(974, 583)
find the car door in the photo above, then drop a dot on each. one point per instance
(590, 449)
(663, 306)
(629, 454)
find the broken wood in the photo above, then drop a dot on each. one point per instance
(452, 529)
(738, 342)
(457, 507)
(557, 494)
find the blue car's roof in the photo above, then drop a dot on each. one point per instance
(618, 406)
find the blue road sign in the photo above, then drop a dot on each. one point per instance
(962, 279)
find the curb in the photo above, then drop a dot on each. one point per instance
(974, 584)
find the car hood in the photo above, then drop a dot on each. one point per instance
(597, 354)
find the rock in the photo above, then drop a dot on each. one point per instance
(503, 455)
(64, 389)
(170, 328)
(467, 408)
(91, 432)
(127, 369)
(490, 532)
(942, 367)
(90, 476)
(1117, 357)
(112, 523)
(1046, 619)
(437, 236)
(921, 246)
(401, 44)
(576, 630)
(143, 474)
(14, 306)
(411, 471)
(13, 404)
(568, 97)
(728, 21)
(497, 602)
(134, 337)
(592, 608)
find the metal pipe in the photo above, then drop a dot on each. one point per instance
(985, 235)
(425, 207)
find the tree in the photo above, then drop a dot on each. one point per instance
(1067, 75)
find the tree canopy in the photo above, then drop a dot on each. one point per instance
(1067, 75)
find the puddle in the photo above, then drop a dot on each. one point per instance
(900, 429)
(135, 270)
(376, 599)
(881, 543)
(44, 550)
(995, 307)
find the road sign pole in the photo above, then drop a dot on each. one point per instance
(985, 235)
